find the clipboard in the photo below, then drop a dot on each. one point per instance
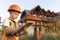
(20, 29)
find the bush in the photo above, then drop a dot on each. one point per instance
(44, 37)
(47, 38)
(27, 37)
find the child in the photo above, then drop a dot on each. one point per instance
(9, 24)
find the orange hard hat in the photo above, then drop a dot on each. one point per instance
(14, 7)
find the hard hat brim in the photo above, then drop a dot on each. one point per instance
(14, 10)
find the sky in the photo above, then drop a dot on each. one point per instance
(52, 5)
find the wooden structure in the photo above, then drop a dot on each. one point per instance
(37, 15)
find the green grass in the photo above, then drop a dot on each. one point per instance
(47, 38)
(27, 37)
(44, 37)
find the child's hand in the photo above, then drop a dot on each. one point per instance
(22, 33)
(25, 29)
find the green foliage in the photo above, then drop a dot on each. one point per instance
(27, 37)
(44, 37)
(47, 38)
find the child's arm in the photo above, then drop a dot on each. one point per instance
(23, 32)
(7, 29)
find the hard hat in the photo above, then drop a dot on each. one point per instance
(14, 7)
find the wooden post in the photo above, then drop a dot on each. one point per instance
(35, 31)
(40, 28)
(55, 26)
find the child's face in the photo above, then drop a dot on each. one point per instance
(14, 14)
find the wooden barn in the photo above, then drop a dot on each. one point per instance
(40, 19)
